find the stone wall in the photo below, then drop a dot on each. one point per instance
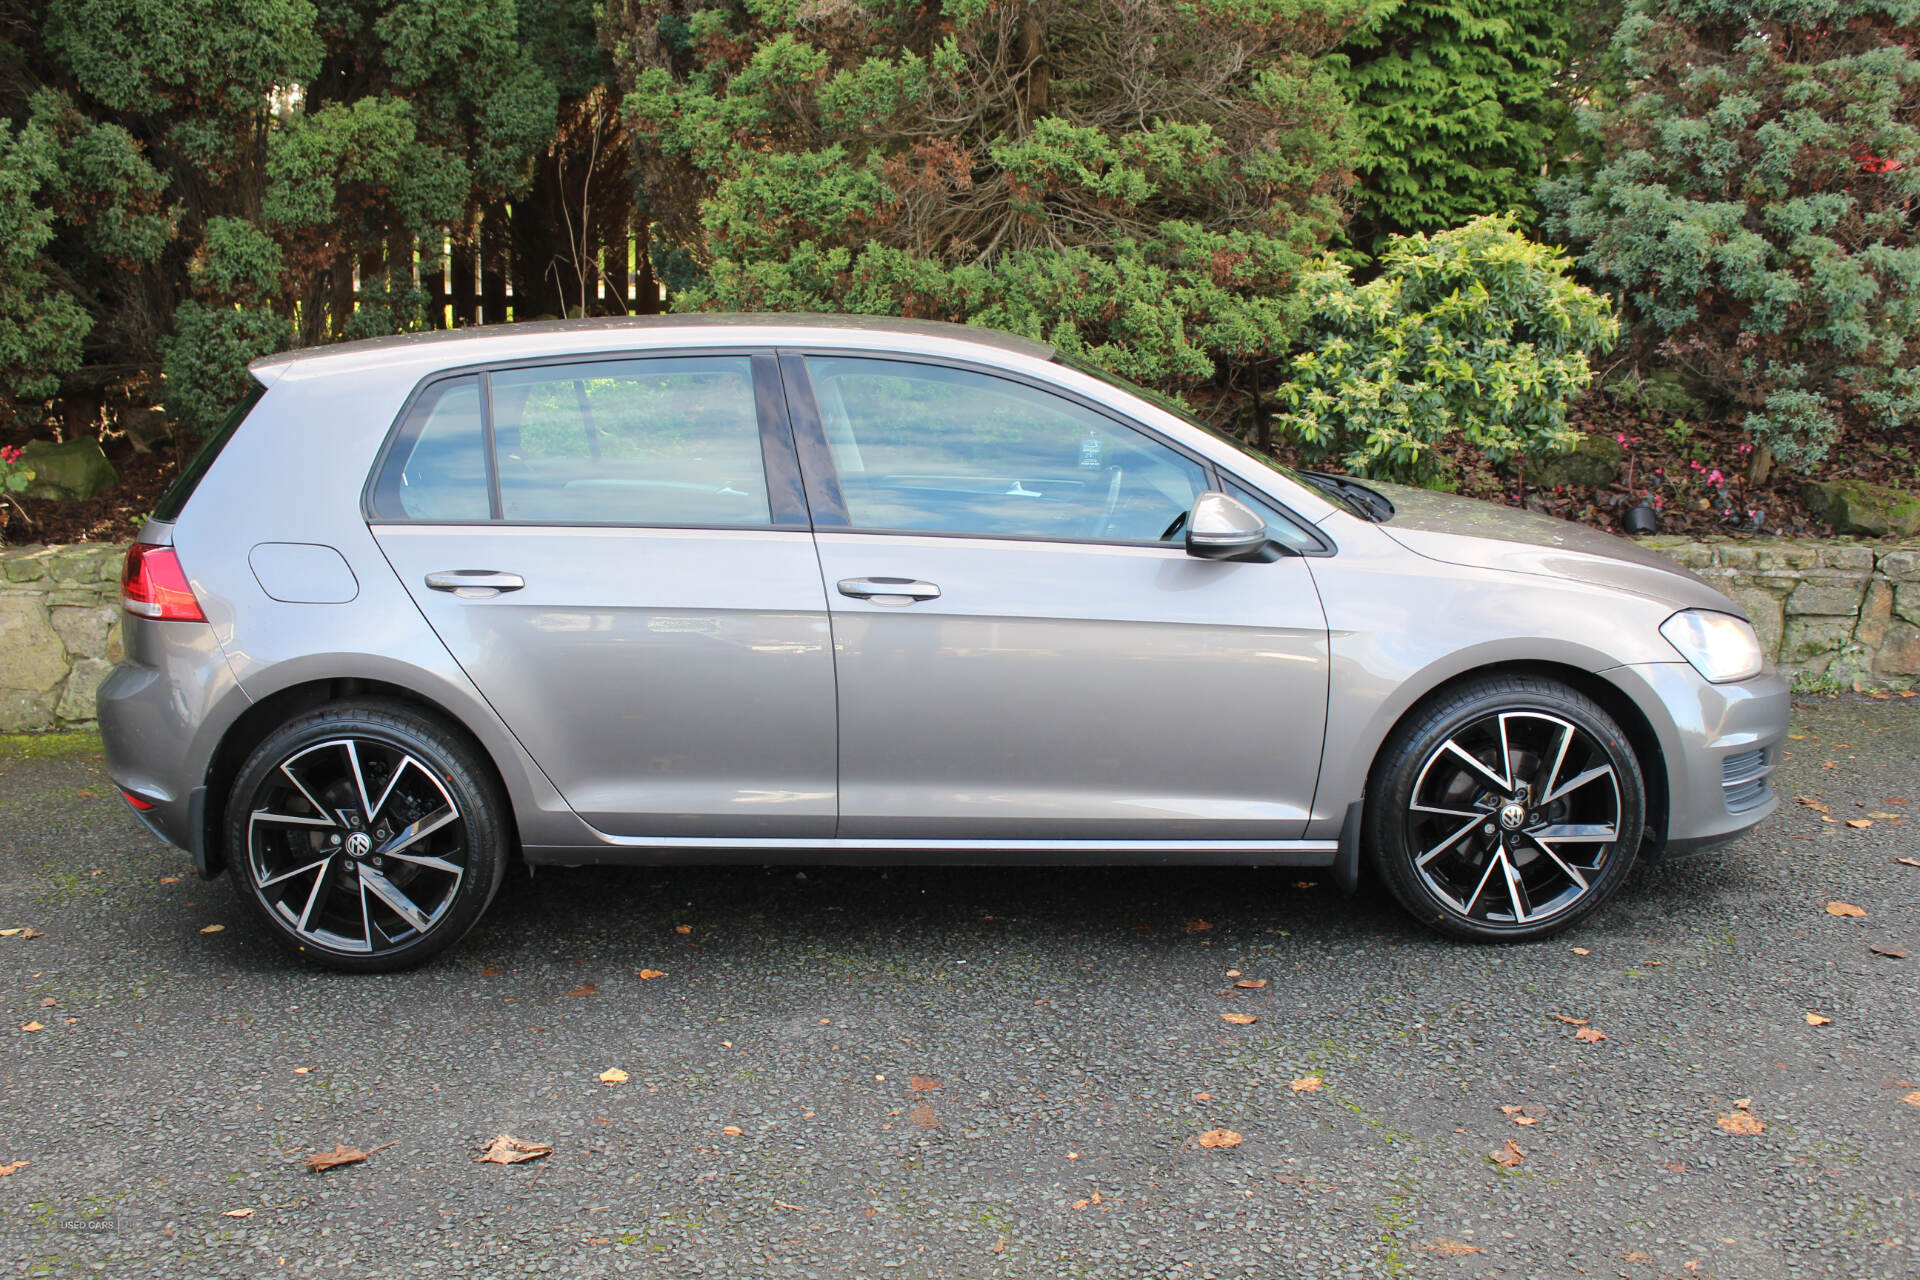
(1831, 613)
(59, 633)
(1838, 613)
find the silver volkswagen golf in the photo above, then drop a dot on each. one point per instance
(826, 589)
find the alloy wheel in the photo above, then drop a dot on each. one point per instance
(1514, 818)
(355, 845)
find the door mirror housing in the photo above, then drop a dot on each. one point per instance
(1223, 528)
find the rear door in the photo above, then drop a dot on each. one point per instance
(1024, 650)
(617, 552)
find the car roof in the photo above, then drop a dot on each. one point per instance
(503, 341)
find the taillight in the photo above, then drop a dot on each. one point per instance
(153, 585)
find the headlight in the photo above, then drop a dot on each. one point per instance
(1720, 646)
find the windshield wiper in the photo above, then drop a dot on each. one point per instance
(1366, 503)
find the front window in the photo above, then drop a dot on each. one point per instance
(931, 448)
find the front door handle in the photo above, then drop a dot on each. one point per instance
(475, 584)
(888, 591)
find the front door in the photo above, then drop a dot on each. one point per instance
(627, 576)
(1024, 650)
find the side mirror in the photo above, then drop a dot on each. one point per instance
(1221, 528)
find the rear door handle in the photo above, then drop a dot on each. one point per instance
(475, 584)
(888, 591)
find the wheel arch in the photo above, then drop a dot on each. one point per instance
(252, 726)
(1627, 713)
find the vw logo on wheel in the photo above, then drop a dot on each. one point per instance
(360, 844)
(1511, 817)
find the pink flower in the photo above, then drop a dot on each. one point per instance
(1746, 448)
(1714, 477)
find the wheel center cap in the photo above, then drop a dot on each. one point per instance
(360, 844)
(1513, 816)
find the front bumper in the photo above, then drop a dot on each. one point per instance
(1721, 744)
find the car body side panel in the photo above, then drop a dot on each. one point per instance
(671, 682)
(293, 474)
(1401, 626)
(1074, 691)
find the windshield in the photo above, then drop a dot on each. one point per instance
(1345, 492)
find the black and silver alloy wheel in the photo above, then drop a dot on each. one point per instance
(365, 836)
(1509, 811)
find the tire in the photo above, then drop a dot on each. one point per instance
(366, 836)
(1507, 810)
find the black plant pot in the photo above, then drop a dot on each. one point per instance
(1640, 519)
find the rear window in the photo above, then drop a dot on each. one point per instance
(174, 501)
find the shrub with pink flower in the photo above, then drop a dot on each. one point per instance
(14, 478)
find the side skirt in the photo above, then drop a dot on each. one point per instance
(689, 851)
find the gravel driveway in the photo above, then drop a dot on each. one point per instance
(978, 1073)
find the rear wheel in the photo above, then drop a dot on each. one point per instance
(366, 836)
(1508, 810)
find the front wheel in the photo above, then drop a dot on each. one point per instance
(1506, 811)
(366, 836)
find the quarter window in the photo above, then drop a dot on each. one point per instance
(438, 467)
(673, 441)
(926, 447)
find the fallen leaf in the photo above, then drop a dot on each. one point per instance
(683, 928)
(1306, 884)
(321, 1161)
(1196, 926)
(1590, 1035)
(1510, 1155)
(8, 1170)
(1814, 805)
(1860, 822)
(1219, 1138)
(1579, 951)
(1741, 1122)
(1845, 909)
(238, 1213)
(1000, 1246)
(584, 989)
(507, 1149)
(1638, 1255)
(213, 928)
(922, 1084)
(921, 1114)
(169, 879)
(300, 1071)
(491, 971)
(1894, 800)
(1891, 953)
(650, 974)
(1572, 1022)
(1203, 1097)
(1912, 1099)
(1240, 1019)
(31, 932)
(732, 1130)
(1251, 984)
(614, 1075)
(1307, 1084)
(8, 933)
(1743, 1104)
(1653, 964)
(1525, 1120)
(1884, 816)
(1908, 862)
(32, 1026)
(1450, 1248)
(790, 1208)
(1819, 1020)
